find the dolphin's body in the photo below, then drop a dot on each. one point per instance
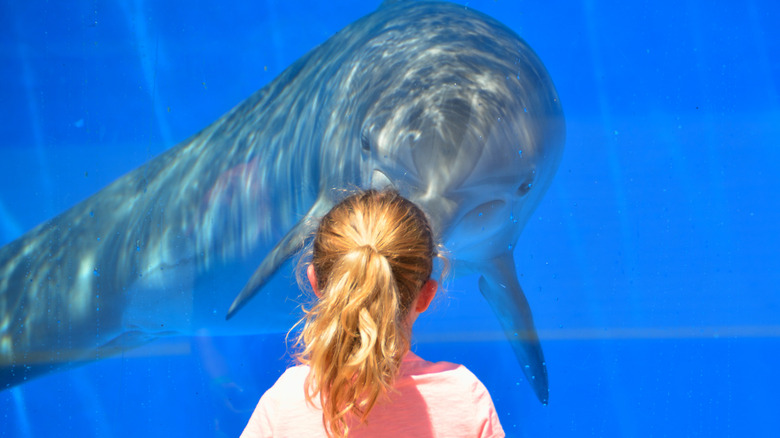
(444, 103)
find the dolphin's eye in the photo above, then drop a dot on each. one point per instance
(525, 186)
(364, 143)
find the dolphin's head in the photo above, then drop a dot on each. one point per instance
(468, 126)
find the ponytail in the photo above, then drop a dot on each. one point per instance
(371, 254)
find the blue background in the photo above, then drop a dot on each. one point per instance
(651, 265)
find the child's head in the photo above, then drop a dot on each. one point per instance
(372, 255)
(375, 233)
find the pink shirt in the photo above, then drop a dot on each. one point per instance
(433, 400)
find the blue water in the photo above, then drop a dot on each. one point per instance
(652, 265)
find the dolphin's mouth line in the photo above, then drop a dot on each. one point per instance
(484, 226)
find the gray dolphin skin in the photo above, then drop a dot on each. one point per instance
(446, 104)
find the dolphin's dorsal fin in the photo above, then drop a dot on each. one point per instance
(502, 291)
(284, 249)
(387, 3)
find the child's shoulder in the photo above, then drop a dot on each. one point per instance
(449, 372)
(291, 378)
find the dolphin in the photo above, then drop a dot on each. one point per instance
(443, 103)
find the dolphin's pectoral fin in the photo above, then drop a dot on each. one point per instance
(287, 246)
(500, 287)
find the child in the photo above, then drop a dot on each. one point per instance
(371, 266)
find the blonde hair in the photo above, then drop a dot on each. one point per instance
(372, 253)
